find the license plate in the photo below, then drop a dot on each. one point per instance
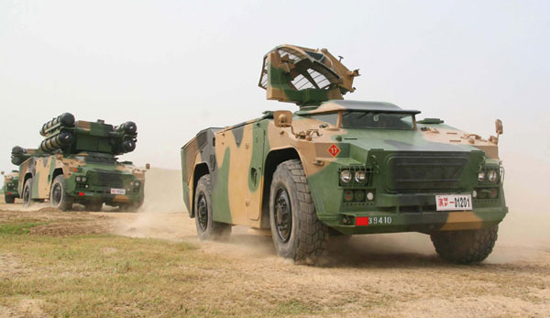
(453, 202)
(118, 191)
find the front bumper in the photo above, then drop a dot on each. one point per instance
(12, 193)
(425, 221)
(105, 196)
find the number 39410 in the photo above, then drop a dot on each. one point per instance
(375, 220)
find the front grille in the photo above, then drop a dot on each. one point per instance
(426, 172)
(109, 179)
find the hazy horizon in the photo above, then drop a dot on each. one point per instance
(175, 68)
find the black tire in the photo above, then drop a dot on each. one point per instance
(94, 206)
(297, 234)
(59, 198)
(465, 247)
(10, 199)
(26, 196)
(207, 228)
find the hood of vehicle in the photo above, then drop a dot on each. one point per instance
(399, 140)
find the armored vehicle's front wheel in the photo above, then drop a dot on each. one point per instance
(59, 198)
(9, 199)
(465, 247)
(296, 231)
(207, 228)
(27, 197)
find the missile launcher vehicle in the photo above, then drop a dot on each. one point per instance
(11, 182)
(336, 168)
(77, 163)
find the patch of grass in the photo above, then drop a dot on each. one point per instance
(108, 275)
(18, 228)
(294, 307)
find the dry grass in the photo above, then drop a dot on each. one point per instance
(44, 271)
(106, 275)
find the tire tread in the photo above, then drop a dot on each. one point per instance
(465, 247)
(312, 235)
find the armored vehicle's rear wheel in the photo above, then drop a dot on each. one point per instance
(58, 195)
(94, 206)
(465, 247)
(27, 194)
(207, 228)
(10, 199)
(296, 231)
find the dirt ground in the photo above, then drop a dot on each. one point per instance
(396, 275)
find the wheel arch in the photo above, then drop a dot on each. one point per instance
(28, 176)
(200, 170)
(55, 173)
(273, 159)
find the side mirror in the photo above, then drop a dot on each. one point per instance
(147, 166)
(282, 118)
(498, 127)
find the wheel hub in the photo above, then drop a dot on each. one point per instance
(26, 195)
(202, 212)
(56, 194)
(283, 215)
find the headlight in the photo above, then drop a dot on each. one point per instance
(481, 176)
(345, 176)
(492, 176)
(360, 176)
(135, 183)
(78, 179)
(84, 179)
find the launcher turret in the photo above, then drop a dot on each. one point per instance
(64, 135)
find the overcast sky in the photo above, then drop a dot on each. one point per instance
(176, 67)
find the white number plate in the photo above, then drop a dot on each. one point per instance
(453, 202)
(118, 191)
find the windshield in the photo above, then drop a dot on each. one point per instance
(377, 120)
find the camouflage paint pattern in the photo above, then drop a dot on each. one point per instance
(241, 160)
(90, 154)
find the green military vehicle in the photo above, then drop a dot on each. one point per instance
(340, 168)
(77, 163)
(11, 182)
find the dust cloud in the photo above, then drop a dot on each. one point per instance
(163, 191)
(524, 232)
(160, 216)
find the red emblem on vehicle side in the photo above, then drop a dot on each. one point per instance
(334, 150)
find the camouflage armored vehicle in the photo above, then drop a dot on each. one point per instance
(11, 181)
(340, 168)
(77, 163)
